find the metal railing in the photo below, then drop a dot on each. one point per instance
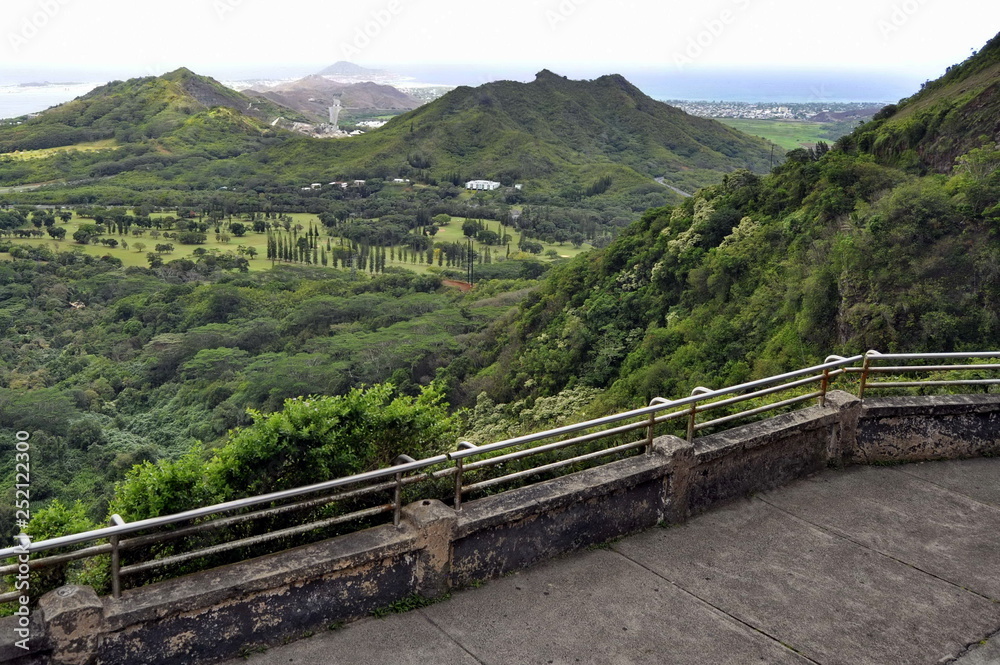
(482, 468)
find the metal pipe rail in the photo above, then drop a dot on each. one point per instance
(818, 374)
(407, 471)
(867, 369)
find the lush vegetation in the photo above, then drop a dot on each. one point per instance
(789, 134)
(838, 250)
(161, 359)
(948, 117)
(183, 141)
(194, 370)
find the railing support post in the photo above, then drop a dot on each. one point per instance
(691, 422)
(459, 470)
(692, 417)
(459, 464)
(864, 373)
(116, 561)
(398, 494)
(650, 434)
(825, 386)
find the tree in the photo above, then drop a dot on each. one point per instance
(471, 227)
(311, 439)
(191, 238)
(82, 235)
(162, 248)
(238, 229)
(139, 247)
(85, 433)
(155, 261)
(56, 232)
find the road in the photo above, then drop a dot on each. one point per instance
(679, 191)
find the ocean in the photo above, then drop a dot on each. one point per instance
(20, 99)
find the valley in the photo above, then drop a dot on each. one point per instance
(191, 272)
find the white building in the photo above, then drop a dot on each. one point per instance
(483, 185)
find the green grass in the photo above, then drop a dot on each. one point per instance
(91, 146)
(789, 134)
(131, 257)
(407, 604)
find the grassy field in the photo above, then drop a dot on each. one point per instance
(132, 257)
(106, 144)
(789, 134)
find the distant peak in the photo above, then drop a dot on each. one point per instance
(546, 74)
(344, 68)
(180, 74)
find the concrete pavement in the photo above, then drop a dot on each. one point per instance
(877, 565)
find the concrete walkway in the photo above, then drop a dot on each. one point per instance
(879, 565)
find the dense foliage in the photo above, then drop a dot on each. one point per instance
(183, 140)
(310, 440)
(158, 360)
(835, 252)
(889, 240)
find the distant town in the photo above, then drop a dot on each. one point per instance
(820, 111)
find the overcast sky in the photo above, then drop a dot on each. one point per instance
(140, 37)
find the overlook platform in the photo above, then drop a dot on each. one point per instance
(880, 565)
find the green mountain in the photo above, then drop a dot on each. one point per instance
(859, 247)
(151, 108)
(551, 132)
(141, 124)
(947, 118)
(573, 139)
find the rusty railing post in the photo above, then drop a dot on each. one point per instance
(652, 423)
(459, 470)
(864, 372)
(398, 494)
(692, 424)
(116, 561)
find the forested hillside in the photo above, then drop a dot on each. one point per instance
(164, 125)
(565, 141)
(149, 362)
(887, 240)
(839, 250)
(554, 133)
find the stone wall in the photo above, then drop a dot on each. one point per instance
(216, 614)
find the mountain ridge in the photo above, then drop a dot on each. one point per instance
(509, 131)
(564, 138)
(874, 244)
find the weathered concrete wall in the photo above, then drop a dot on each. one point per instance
(515, 529)
(760, 456)
(913, 429)
(208, 616)
(215, 614)
(39, 650)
